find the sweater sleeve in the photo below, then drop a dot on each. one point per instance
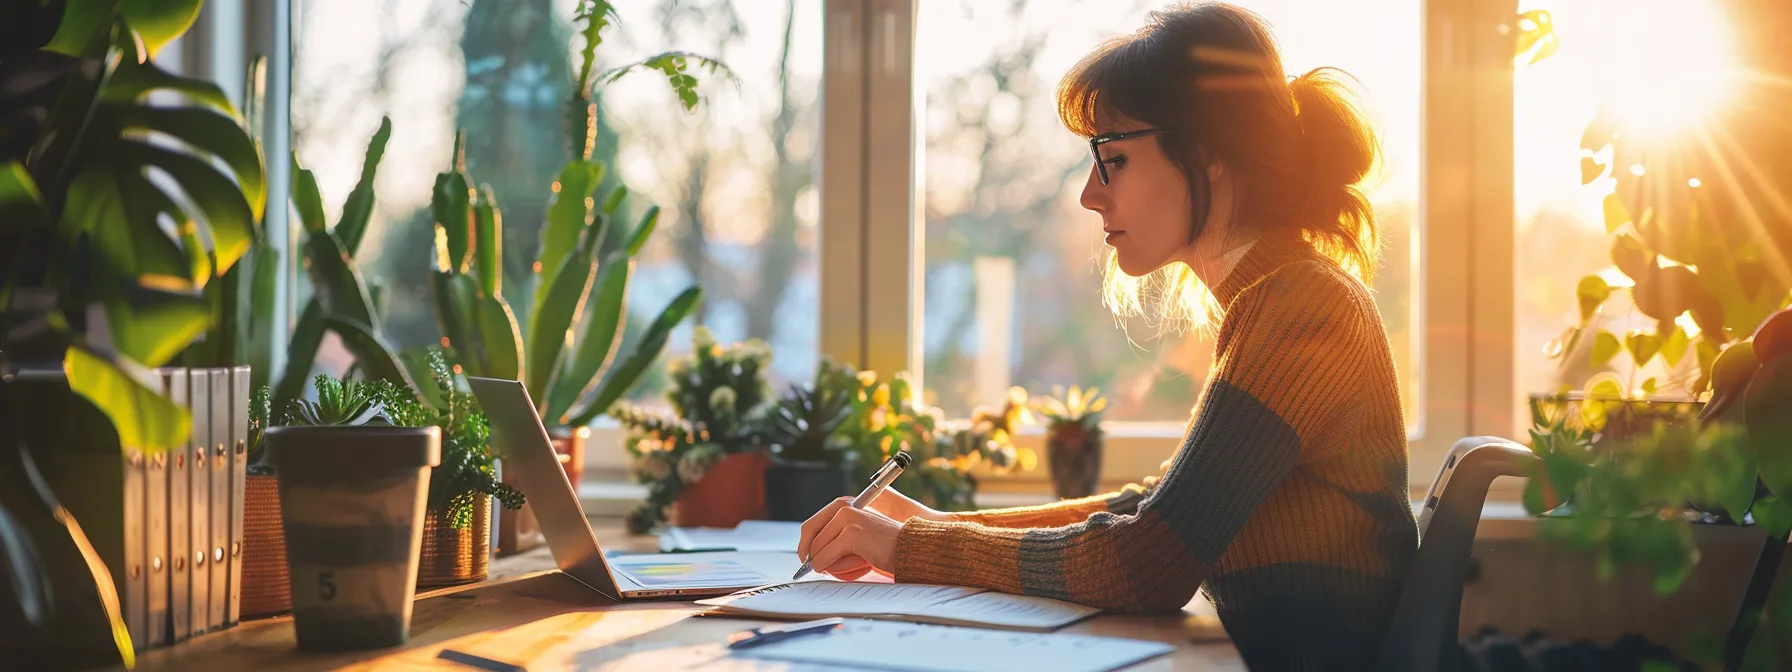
(1055, 514)
(1284, 361)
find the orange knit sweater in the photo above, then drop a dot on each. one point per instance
(1287, 500)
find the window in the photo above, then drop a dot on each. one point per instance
(734, 179)
(1610, 54)
(1005, 235)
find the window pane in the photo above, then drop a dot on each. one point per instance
(1013, 277)
(733, 179)
(1610, 54)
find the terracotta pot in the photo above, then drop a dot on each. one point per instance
(450, 556)
(1075, 458)
(517, 530)
(732, 490)
(266, 590)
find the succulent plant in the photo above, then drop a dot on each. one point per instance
(339, 402)
(800, 427)
(1079, 409)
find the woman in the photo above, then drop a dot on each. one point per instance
(1287, 500)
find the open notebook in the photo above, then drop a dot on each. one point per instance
(918, 603)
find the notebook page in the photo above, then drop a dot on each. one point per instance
(838, 598)
(925, 648)
(1020, 611)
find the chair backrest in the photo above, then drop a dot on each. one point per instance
(1422, 634)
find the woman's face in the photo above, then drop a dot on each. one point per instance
(1144, 206)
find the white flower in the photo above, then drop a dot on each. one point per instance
(722, 400)
(692, 467)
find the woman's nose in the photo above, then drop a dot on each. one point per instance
(1095, 196)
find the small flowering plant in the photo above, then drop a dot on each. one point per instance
(719, 398)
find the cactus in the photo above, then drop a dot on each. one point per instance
(569, 363)
(340, 300)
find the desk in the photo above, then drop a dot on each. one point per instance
(528, 615)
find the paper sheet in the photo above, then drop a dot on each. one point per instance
(926, 648)
(954, 604)
(751, 536)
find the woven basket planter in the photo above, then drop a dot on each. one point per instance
(266, 590)
(450, 556)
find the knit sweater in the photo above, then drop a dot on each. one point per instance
(1287, 500)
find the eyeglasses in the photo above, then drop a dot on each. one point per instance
(1095, 143)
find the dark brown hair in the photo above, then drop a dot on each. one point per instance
(1210, 74)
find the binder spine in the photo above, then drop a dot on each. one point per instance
(157, 513)
(220, 465)
(136, 595)
(199, 506)
(180, 496)
(241, 391)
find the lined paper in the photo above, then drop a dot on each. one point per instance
(925, 648)
(903, 601)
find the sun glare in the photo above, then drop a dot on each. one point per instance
(1668, 63)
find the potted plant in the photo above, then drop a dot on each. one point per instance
(457, 526)
(1073, 440)
(706, 464)
(353, 491)
(97, 291)
(809, 466)
(887, 418)
(265, 585)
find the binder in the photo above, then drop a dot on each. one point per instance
(220, 466)
(134, 587)
(159, 512)
(199, 510)
(180, 534)
(241, 391)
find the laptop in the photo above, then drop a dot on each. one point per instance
(522, 442)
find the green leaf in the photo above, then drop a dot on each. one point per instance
(614, 201)
(264, 263)
(151, 326)
(126, 393)
(1674, 348)
(21, 204)
(1535, 27)
(1768, 406)
(227, 212)
(359, 206)
(1616, 215)
(451, 206)
(1774, 516)
(1642, 345)
(454, 294)
(596, 346)
(131, 80)
(338, 285)
(1630, 257)
(158, 22)
(372, 354)
(568, 216)
(648, 222)
(626, 374)
(307, 337)
(499, 338)
(30, 583)
(1590, 169)
(130, 241)
(1592, 292)
(219, 134)
(488, 242)
(550, 323)
(83, 26)
(1605, 346)
(306, 198)
(1649, 386)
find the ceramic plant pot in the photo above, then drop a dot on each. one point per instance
(731, 490)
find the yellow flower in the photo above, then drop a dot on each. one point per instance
(867, 378)
(881, 397)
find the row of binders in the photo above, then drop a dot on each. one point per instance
(182, 568)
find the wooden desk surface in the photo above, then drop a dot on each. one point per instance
(531, 616)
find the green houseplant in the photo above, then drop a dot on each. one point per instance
(457, 526)
(1073, 439)
(93, 290)
(347, 477)
(810, 467)
(705, 464)
(887, 418)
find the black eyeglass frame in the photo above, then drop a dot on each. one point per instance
(1095, 143)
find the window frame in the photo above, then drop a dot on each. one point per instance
(872, 240)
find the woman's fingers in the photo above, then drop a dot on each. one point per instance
(849, 568)
(805, 541)
(842, 519)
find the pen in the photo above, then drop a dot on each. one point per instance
(880, 480)
(773, 633)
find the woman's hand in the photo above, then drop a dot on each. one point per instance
(900, 508)
(848, 543)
